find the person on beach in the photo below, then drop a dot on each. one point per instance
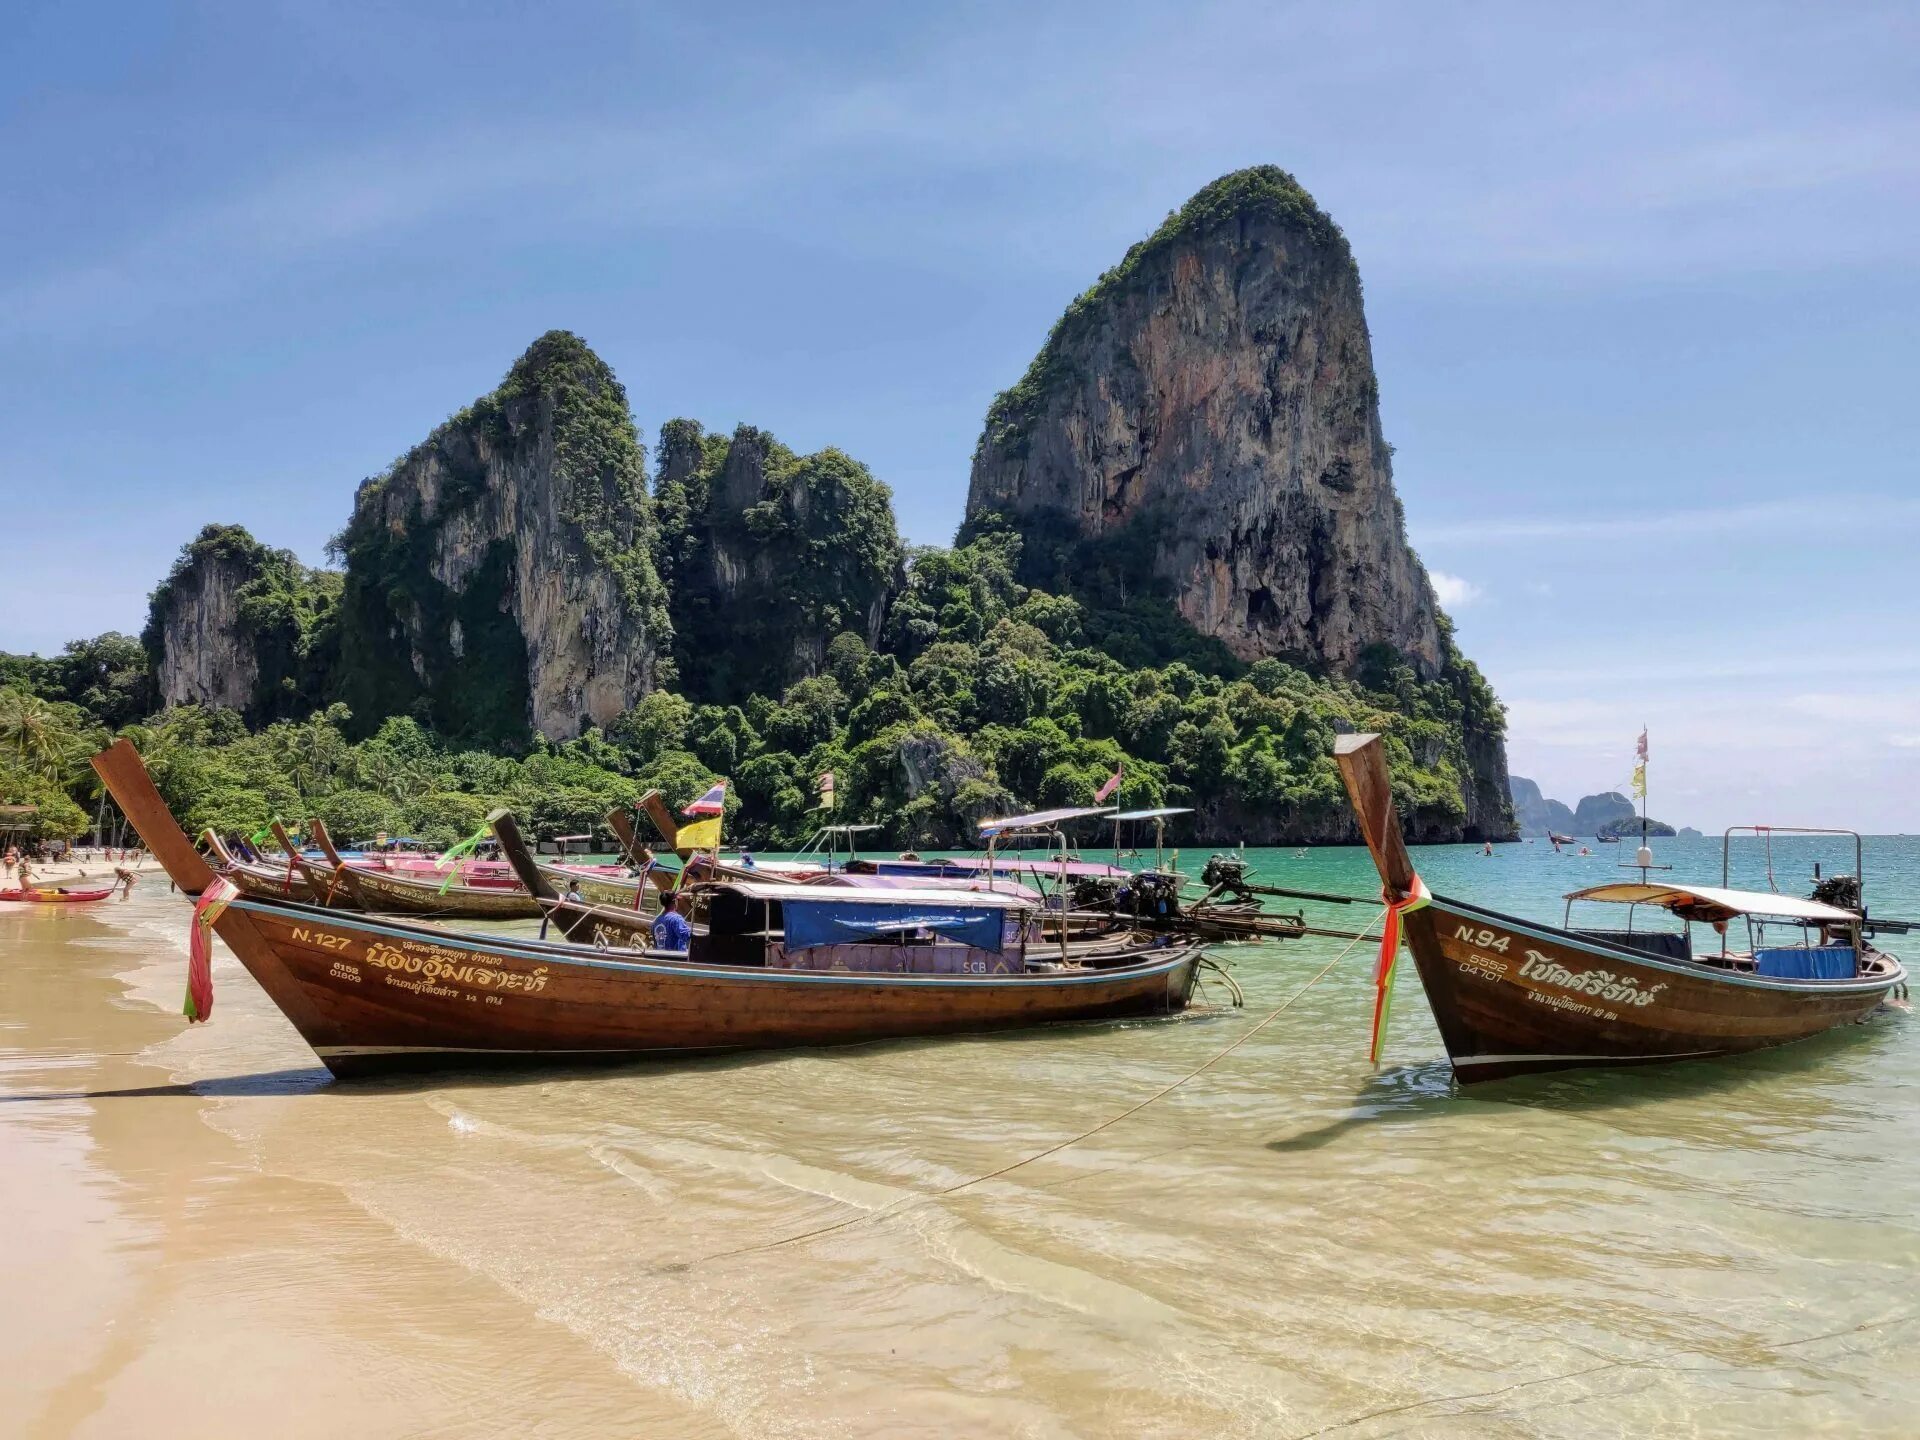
(671, 931)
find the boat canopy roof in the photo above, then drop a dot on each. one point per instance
(1710, 902)
(1041, 819)
(1153, 814)
(965, 884)
(904, 899)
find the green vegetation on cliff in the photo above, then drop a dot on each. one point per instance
(981, 698)
(771, 553)
(452, 656)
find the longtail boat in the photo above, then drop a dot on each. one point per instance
(370, 994)
(284, 882)
(55, 895)
(388, 893)
(1513, 996)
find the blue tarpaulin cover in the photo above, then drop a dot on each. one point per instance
(841, 922)
(1831, 962)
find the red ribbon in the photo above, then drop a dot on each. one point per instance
(207, 909)
(1388, 963)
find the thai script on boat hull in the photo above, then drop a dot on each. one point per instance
(1601, 984)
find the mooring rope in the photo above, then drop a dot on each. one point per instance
(926, 1197)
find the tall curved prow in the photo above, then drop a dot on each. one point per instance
(125, 775)
(513, 848)
(324, 883)
(574, 918)
(341, 882)
(661, 814)
(620, 821)
(1363, 766)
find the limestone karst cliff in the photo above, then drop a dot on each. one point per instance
(1211, 401)
(1534, 812)
(1203, 426)
(767, 556)
(240, 625)
(500, 576)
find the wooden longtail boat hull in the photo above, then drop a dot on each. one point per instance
(398, 895)
(605, 889)
(382, 995)
(382, 892)
(372, 995)
(1512, 997)
(272, 882)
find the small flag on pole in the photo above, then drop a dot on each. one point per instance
(823, 787)
(702, 835)
(1113, 784)
(1640, 749)
(1640, 766)
(714, 802)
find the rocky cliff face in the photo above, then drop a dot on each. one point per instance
(1214, 393)
(499, 576)
(1603, 812)
(201, 653)
(1535, 813)
(239, 625)
(768, 555)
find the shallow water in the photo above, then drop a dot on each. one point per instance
(218, 1240)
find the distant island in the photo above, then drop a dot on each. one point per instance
(1608, 815)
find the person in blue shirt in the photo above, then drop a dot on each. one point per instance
(671, 931)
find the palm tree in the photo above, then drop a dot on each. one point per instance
(36, 736)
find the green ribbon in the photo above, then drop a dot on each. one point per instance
(451, 858)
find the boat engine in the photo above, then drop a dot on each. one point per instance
(1227, 874)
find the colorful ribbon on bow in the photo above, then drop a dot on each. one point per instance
(1388, 965)
(450, 860)
(213, 900)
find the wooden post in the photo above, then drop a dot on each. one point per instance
(1363, 765)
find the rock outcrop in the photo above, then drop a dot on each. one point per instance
(768, 555)
(1534, 813)
(500, 574)
(1211, 403)
(1597, 813)
(240, 625)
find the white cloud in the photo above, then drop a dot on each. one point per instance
(1453, 592)
(1904, 742)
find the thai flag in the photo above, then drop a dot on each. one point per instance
(714, 802)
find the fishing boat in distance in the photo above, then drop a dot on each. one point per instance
(781, 967)
(1514, 997)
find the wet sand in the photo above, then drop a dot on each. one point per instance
(209, 1238)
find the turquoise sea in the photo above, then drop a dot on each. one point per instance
(1290, 1244)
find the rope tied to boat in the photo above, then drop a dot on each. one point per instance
(927, 1197)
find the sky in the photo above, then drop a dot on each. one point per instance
(1643, 283)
